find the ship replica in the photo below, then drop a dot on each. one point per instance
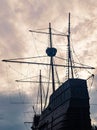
(68, 107)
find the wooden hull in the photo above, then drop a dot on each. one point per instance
(68, 108)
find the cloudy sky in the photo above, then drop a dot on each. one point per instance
(16, 18)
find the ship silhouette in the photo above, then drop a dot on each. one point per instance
(68, 107)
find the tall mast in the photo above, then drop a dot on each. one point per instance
(40, 85)
(69, 53)
(53, 80)
(51, 52)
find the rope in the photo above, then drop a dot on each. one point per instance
(27, 58)
(57, 75)
(47, 90)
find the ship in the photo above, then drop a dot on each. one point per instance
(68, 107)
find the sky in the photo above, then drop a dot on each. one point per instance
(17, 17)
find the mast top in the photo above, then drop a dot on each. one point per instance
(51, 51)
(70, 67)
(69, 25)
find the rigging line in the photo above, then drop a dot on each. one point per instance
(37, 50)
(59, 31)
(27, 58)
(79, 60)
(38, 53)
(57, 75)
(60, 58)
(60, 53)
(43, 91)
(31, 81)
(47, 89)
(22, 97)
(44, 77)
(35, 45)
(16, 71)
(38, 95)
(21, 89)
(58, 34)
(23, 80)
(27, 70)
(9, 85)
(72, 61)
(26, 78)
(39, 40)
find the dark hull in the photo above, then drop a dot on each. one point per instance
(68, 108)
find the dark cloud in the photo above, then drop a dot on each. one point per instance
(12, 113)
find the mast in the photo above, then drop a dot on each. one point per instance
(40, 85)
(69, 53)
(53, 79)
(51, 52)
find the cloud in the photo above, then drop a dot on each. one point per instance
(12, 115)
(17, 17)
